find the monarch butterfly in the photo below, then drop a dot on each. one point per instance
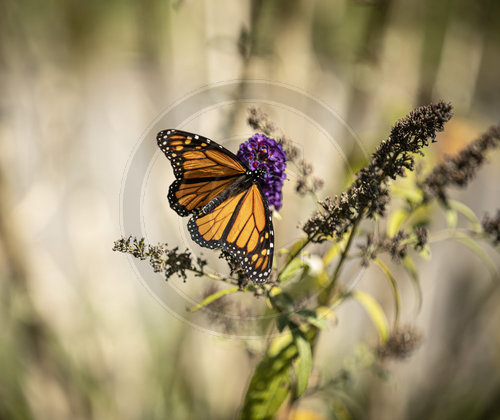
(229, 208)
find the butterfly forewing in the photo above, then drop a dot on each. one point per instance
(202, 167)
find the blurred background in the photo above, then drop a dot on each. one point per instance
(80, 334)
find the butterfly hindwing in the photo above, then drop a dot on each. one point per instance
(186, 198)
(242, 225)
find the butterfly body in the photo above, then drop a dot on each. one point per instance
(242, 183)
(224, 197)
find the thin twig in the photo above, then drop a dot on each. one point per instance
(326, 295)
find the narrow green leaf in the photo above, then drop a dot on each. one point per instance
(478, 250)
(291, 269)
(326, 313)
(420, 215)
(213, 297)
(323, 278)
(304, 362)
(451, 217)
(337, 246)
(374, 311)
(266, 395)
(313, 318)
(279, 343)
(297, 245)
(467, 212)
(395, 221)
(331, 253)
(282, 322)
(283, 301)
(394, 286)
(410, 267)
(271, 380)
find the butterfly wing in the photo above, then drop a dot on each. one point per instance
(242, 225)
(203, 169)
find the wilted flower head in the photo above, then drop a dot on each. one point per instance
(460, 169)
(261, 152)
(369, 194)
(400, 344)
(491, 226)
(161, 258)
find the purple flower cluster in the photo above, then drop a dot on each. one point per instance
(262, 152)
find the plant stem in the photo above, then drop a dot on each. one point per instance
(326, 296)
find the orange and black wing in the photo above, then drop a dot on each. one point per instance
(242, 225)
(203, 169)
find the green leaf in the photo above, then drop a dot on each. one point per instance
(281, 322)
(375, 312)
(304, 362)
(467, 212)
(420, 215)
(331, 253)
(291, 269)
(283, 301)
(410, 267)
(213, 297)
(266, 394)
(394, 287)
(298, 245)
(271, 381)
(279, 343)
(338, 245)
(313, 318)
(395, 221)
(451, 217)
(322, 278)
(326, 313)
(479, 251)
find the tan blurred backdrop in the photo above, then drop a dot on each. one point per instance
(81, 82)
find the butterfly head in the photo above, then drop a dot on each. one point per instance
(257, 175)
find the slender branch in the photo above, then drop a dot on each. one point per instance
(325, 297)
